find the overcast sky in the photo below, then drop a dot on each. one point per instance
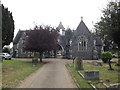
(27, 13)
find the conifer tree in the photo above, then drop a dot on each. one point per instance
(7, 26)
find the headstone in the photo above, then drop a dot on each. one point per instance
(97, 63)
(114, 86)
(95, 54)
(79, 63)
(90, 75)
(34, 61)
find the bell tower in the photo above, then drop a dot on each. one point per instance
(61, 28)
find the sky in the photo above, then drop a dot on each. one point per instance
(28, 13)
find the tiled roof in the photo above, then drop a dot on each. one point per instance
(18, 36)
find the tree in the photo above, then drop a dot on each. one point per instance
(7, 26)
(41, 39)
(108, 28)
(68, 37)
(6, 50)
(115, 22)
(106, 57)
(68, 34)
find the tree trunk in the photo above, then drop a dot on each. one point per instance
(119, 55)
(55, 55)
(41, 54)
(118, 64)
(110, 67)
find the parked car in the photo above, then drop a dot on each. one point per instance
(5, 56)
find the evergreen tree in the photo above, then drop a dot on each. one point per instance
(6, 50)
(115, 16)
(108, 28)
(68, 37)
(7, 26)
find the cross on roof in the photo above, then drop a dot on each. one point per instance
(81, 18)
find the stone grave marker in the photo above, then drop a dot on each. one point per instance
(90, 75)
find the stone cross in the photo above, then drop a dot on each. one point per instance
(81, 18)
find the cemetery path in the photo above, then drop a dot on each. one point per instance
(54, 74)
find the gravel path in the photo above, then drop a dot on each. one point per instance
(54, 74)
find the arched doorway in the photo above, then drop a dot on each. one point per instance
(59, 52)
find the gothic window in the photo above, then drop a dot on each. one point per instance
(23, 50)
(82, 44)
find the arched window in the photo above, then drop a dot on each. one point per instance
(82, 43)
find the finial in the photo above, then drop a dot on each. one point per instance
(81, 18)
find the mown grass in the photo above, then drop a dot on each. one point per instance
(108, 77)
(13, 72)
(82, 83)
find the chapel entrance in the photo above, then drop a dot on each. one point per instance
(60, 51)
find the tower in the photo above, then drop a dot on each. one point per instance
(61, 28)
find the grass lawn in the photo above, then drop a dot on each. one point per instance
(108, 77)
(82, 83)
(13, 72)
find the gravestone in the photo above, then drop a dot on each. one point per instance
(78, 63)
(97, 63)
(90, 75)
(34, 61)
(115, 86)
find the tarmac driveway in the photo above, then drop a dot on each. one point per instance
(54, 74)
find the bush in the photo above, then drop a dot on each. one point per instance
(105, 56)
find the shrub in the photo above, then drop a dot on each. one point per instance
(105, 56)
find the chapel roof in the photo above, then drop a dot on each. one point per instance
(18, 36)
(60, 26)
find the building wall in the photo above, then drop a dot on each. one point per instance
(84, 54)
(91, 52)
(19, 48)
